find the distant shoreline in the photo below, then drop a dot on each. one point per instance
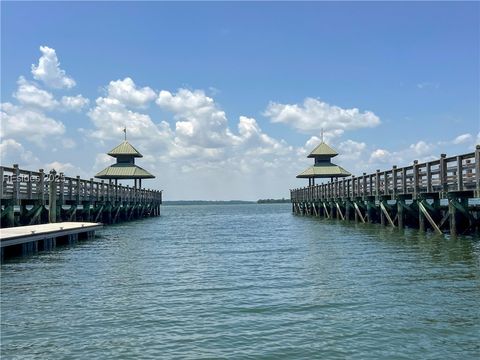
(225, 202)
(207, 202)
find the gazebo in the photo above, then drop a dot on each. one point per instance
(323, 167)
(125, 167)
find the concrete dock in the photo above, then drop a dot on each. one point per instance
(24, 240)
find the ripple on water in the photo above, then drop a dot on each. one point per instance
(247, 281)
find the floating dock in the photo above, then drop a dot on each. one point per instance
(25, 240)
(440, 195)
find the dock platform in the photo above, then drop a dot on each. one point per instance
(24, 240)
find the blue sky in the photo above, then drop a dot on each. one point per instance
(226, 99)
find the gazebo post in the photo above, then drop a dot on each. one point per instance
(139, 183)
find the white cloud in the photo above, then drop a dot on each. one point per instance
(75, 103)
(421, 148)
(351, 150)
(127, 92)
(199, 121)
(255, 142)
(314, 115)
(68, 143)
(102, 160)
(110, 116)
(380, 156)
(29, 94)
(48, 70)
(60, 167)
(12, 151)
(28, 124)
(462, 139)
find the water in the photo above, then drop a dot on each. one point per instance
(247, 281)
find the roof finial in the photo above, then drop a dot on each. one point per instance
(322, 135)
(125, 131)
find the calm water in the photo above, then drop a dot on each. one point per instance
(247, 281)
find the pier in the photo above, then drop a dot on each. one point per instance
(25, 240)
(437, 195)
(36, 197)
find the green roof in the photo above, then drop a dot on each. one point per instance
(324, 171)
(323, 150)
(125, 148)
(124, 171)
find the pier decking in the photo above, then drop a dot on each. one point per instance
(36, 197)
(436, 195)
(33, 238)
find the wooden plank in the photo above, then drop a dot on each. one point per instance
(429, 218)
(394, 181)
(41, 187)
(429, 178)
(477, 170)
(387, 215)
(326, 210)
(459, 173)
(358, 212)
(340, 211)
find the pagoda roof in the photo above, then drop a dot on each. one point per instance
(323, 150)
(125, 148)
(327, 170)
(124, 171)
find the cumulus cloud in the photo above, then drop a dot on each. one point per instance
(380, 156)
(199, 121)
(256, 142)
(462, 139)
(351, 149)
(11, 151)
(68, 143)
(29, 94)
(28, 124)
(314, 115)
(49, 72)
(421, 148)
(110, 116)
(128, 93)
(61, 167)
(74, 103)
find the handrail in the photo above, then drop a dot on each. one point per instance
(447, 174)
(19, 184)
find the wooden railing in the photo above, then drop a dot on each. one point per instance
(446, 175)
(18, 185)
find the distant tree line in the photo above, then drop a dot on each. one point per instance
(273, 201)
(207, 202)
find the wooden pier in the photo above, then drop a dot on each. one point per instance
(36, 197)
(441, 196)
(25, 240)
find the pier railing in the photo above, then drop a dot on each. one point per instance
(18, 184)
(442, 176)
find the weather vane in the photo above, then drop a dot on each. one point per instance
(125, 131)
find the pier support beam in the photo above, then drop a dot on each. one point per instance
(52, 197)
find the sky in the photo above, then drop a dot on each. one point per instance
(225, 100)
